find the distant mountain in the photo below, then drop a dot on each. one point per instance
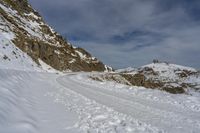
(27, 41)
(164, 71)
(160, 75)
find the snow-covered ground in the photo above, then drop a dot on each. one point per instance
(12, 57)
(36, 102)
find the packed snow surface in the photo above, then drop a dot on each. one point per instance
(36, 102)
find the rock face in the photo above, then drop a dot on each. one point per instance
(40, 41)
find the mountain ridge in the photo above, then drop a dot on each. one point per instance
(39, 41)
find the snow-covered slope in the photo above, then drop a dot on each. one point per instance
(32, 102)
(126, 70)
(168, 71)
(23, 28)
(12, 57)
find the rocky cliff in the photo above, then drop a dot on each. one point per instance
(28, 32)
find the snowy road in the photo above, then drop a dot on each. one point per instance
(164, 116)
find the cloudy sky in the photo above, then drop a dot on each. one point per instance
(125, 33)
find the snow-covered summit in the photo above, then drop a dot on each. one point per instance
(158, 75)
(161, 70)
(167, 70)
(164, 67)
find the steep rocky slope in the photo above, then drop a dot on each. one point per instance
(24, 29)
(163, 76)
